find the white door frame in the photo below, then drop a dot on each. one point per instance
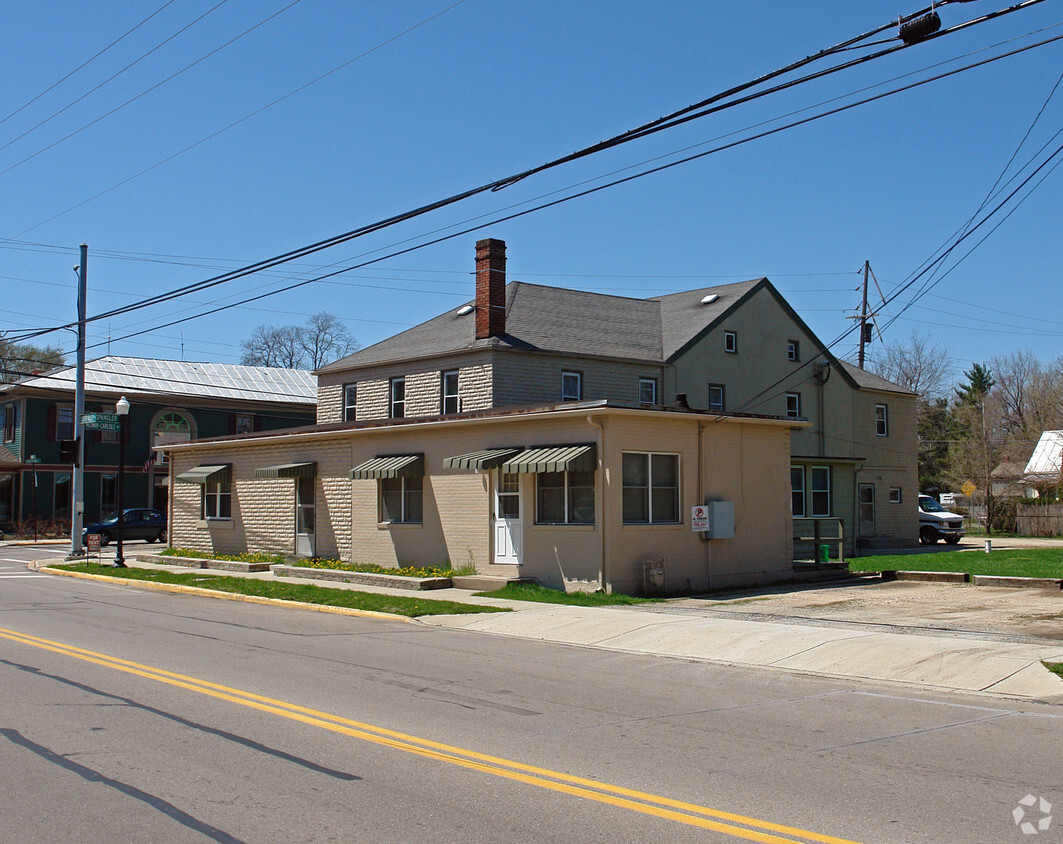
(508, 531)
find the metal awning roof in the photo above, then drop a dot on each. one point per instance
(489, 458)
(391, 466)
(556, 458)
(213, 474)
(288, 470)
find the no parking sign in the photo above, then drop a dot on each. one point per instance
(699, 518)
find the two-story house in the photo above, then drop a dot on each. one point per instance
(567, 435)
(171, 401)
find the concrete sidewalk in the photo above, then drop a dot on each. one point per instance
(954, 662)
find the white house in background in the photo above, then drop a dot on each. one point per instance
(1043, 467)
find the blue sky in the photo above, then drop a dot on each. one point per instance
(431, 98)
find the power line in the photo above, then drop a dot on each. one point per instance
(83, 65)
(830, 112)
(147, 91)
(683, 115)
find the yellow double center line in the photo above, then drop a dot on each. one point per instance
(690, 814)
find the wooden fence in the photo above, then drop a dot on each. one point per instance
(1039, 520)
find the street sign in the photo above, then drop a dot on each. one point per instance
(699, 518)
(968, 488)
(101, 421)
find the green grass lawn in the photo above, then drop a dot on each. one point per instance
(534, 592)
(1055, 667)
(289, 591)
(1019, 562)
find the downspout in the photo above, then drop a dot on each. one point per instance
(603, 577)
(701, 500)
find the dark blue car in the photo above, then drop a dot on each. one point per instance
(138, 523)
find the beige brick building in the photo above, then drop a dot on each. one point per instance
(720, 397)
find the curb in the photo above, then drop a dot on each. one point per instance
(229, 596)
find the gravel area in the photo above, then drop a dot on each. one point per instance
(1018, 614)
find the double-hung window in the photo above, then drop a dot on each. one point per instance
(882, 421)
(402, 499)
(821, 503)
(793, 405)
(647, 391)
(793, 350)
(64, 422)
(651, 488)
(565, 498)
(716, 398)
(449, 390)
(797, 491)
(571, 386)
(350, 402)
(217, 500)
(9, 422)
(397, 407)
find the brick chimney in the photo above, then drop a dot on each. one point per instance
(490, 288)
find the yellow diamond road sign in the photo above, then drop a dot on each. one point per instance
(968, 488)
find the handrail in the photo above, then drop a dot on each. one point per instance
(818, 538)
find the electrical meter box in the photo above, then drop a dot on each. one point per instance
(721, 519)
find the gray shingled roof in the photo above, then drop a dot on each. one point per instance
(870, 381)
(555, 319)
(114, 374)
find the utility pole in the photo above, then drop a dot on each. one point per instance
(77, 517)
(864, 335)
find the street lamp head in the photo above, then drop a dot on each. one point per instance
(122, 406)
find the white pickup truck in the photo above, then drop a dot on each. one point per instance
(935, 522)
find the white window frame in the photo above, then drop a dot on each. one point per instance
(720, 406)
(216, 503)
(730, 342)
(569, 511)
(798, 493)
(649, 488)
(651, 384)
(895, 495)
(814, 490)
(449, 398)
(793, 405)
(350, 402)
(793, 350)
(406, 493)
(397, 407)
(882, 420)
(566, 393)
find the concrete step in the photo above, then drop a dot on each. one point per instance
(487, 582)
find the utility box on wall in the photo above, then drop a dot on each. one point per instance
(721, 520)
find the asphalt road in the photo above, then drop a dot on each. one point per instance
(129, 715)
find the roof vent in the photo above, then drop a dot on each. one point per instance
(708, 300)
(465, 309)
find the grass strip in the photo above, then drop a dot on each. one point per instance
(304, 593)
(535, 592)
(1017, 562)
(1054, 667)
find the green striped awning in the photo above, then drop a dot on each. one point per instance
(555, 458)
(489, 458)
(217, 473)
(288, 470)
(391, 466)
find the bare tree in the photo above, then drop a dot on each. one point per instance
(322, 339)
(325, 339)
(918, 365)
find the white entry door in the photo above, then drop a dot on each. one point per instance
(305, 546)
(508, 527)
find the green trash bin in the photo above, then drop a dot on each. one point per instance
(824, 553)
